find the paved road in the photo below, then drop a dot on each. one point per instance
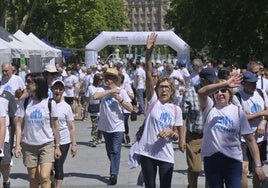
(90, 168)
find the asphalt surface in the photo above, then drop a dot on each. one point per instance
(90, 167)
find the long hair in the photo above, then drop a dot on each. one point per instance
(41, 84)
(171, 84)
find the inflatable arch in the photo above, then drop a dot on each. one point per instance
(105, 38)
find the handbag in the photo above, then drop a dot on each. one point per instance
(93, 108)
(133, 116)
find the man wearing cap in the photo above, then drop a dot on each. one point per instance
(159, 66)
(254, 102)
(111, 121)
(51, 74)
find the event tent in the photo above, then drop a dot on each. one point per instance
(16, 46)
(5, 53)
(31, 45)
(50, 51)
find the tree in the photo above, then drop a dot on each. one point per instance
(229, 28)
(66, 23)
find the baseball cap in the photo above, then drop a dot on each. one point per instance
(208, 74)
(249, 77)
(57, 82)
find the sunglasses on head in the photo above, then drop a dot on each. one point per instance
(224, 90)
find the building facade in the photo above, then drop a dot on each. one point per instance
(146, 15)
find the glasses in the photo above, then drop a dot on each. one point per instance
(224, 90)
(164, 87)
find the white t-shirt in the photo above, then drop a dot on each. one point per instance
(111, 112)
(262, 83)
(139, 78)
(251, 104)
(65, 115)
(37, 129)
(15, 82)
(223, 129)
(89, 93)
(70, 80)
(161, 117)
(128, 89)
(4, 113)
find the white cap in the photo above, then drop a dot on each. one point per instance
(57, 82)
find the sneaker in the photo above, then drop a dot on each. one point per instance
(92, 144)
(127, 139)
(113, 179)
(6, 185)
(11, 163)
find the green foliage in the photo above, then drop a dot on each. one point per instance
(229, 28)
(66, 23)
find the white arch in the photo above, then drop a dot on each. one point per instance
(105, 38)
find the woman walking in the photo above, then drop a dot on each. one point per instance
(37, 131)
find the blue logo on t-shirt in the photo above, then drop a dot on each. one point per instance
(36, 118)
(110, 103)
(8, 88)
(225, 125)
(164, 120)
(255, 108)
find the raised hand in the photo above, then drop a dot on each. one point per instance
(151, 40)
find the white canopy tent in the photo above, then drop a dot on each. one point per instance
(50, 52)
(37, 50)
(5, 53)
(105, 38)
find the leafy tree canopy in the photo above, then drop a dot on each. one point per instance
(230, 28)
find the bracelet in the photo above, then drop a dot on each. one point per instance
(148, 55)
(121, 101)
(74, 144)
(263, 118)
(258, 165)
(57, 145)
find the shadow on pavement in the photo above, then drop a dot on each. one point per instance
(104, 179)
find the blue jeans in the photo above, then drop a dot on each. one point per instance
(220, 170)
(113, 143)
(149, 170)
(140, 99)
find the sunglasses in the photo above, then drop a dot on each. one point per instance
(224, 90)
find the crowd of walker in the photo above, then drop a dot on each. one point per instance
(217, 114)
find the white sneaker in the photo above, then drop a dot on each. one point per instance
(11, 163)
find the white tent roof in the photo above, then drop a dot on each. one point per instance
(4, 48)
(50, 52)
(34, 48)
(5, 53)
(17, 47)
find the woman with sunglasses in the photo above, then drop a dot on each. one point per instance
(224, 124)
(37, 131)
(111, 123)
